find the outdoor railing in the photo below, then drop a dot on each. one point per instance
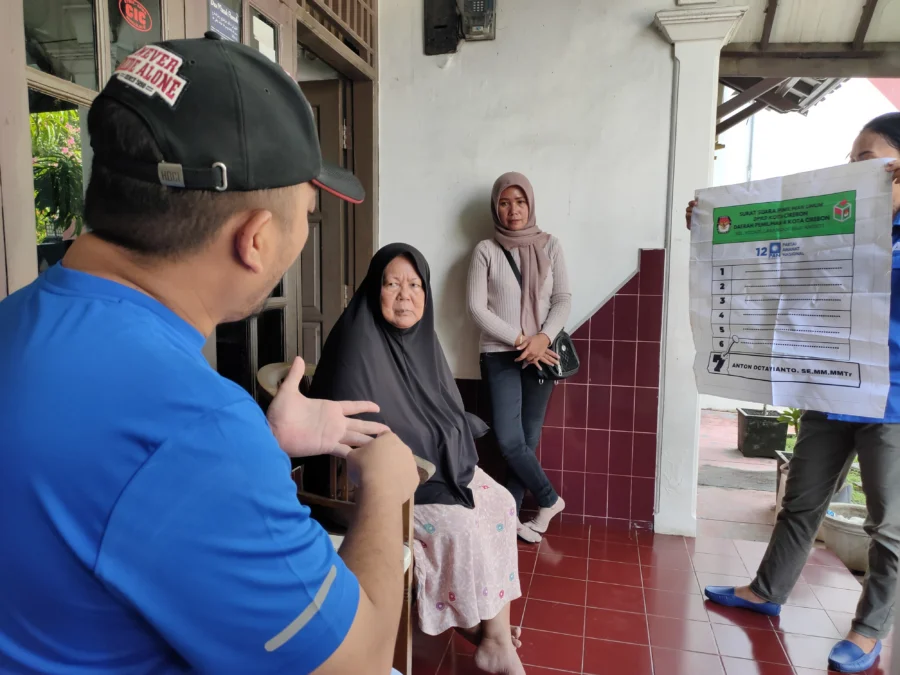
(354, 22)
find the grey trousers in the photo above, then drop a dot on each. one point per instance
(822, 458)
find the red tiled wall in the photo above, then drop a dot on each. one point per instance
(599, 441)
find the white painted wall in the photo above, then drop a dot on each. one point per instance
(576, 94)
(793, 143)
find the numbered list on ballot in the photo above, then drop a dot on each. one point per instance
(790, 290)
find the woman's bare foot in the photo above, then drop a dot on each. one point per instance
(516, 635)
(498, 657)
(473, 635)
(541, 521)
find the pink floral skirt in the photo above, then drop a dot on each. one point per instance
(466, 560)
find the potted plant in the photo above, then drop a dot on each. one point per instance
(761, 433)
(58, 175)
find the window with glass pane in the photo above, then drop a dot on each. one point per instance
(59, 39)
(233, 352)
(133, 24)
(270, 333)
(264, 35)
(243, 347)
(59, 151)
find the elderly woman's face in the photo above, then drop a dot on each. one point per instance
(402, 294)
(513, 208)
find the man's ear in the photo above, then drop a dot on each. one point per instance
(250, 240)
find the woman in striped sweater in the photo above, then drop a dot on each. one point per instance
(518, 294)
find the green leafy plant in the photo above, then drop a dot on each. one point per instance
(58, 172)
(43, 223)
(855, 479)
(792, 417)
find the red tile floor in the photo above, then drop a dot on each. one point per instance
(601, 602)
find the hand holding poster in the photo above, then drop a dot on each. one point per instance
(790, 290)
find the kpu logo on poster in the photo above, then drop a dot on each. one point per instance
(842, 211)
(723, 224)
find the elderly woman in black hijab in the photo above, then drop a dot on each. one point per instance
(384, 349)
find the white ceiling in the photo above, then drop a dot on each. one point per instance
(817, 21)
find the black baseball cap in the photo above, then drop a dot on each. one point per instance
(225, 117)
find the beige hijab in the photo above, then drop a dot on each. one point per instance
(531, 242)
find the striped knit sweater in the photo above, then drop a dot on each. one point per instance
(495, 298)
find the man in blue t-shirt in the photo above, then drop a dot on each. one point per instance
(148, 521)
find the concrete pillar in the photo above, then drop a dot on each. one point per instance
(698, 34)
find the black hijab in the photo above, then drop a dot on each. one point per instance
(406, 373)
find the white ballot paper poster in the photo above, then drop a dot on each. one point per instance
(790, 290)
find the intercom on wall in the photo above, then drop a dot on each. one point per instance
(441, 27)
(478, 19)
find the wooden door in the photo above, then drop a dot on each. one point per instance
(273, 335)
(326, 262)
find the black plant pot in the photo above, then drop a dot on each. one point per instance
(51, 251)
(760, 434)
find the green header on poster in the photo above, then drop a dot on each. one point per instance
(817, 216)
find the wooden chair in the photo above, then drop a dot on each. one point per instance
(339, 503)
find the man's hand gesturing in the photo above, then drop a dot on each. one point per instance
(304, 427)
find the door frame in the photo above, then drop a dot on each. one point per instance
(363, 113)
(330, 230)
(16, 177)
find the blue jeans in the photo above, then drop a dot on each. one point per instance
(519, 401)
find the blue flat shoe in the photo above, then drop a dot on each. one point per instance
(846, 657)
(724, 595)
